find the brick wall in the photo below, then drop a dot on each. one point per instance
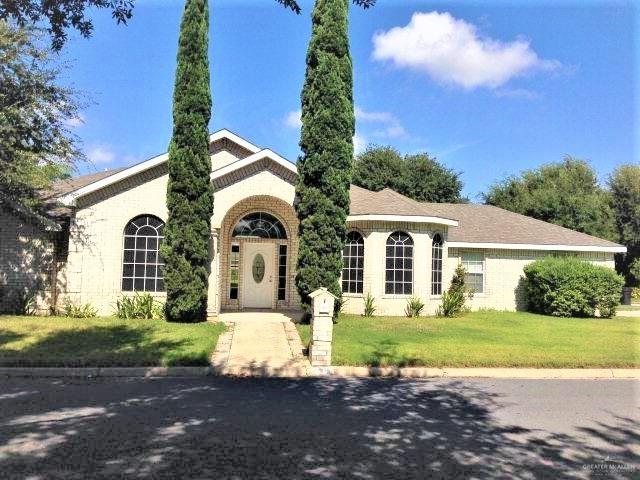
(27, 263)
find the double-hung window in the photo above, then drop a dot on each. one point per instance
(473, 264)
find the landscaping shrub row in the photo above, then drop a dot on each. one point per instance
(568, 287)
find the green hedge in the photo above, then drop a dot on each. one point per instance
(568, 287)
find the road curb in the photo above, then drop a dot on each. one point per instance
(325, 372)
(514, 373)
(95, 372)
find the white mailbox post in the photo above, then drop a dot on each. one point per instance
(322, 301)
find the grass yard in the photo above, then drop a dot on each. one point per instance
(104, 342)
(485, 339)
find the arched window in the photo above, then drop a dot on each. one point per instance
(436, 265)
(353, 263)
(260, 225)
(399, 264)
(142, 266)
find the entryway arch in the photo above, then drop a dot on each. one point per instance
(258, 253)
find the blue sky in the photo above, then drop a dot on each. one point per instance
(490, 89)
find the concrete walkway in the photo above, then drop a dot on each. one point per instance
(260, 343)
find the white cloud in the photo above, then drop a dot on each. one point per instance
(100, 154)
(293, 119)
(388, 126)
(391, 126)
(517, 93)
(76, 121)
(452, 51)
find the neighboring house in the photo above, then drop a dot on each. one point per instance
(112, 223)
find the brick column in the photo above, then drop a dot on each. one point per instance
(321, 327)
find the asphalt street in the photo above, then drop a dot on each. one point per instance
(224, 428)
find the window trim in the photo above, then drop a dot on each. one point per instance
(157, 277)
(283, 262)
(484, 271)
(279, 221)
(413, 276)
(433, 238)
(353, 294)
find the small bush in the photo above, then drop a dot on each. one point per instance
(414, 307)
(26, 304)
(369, 305)
(569, 287)
(140, 305)
(454, 299)
(635, 293)
(339, 305)
(80, 311)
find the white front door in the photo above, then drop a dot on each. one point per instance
(257, 275)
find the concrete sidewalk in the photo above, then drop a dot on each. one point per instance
(260, 344)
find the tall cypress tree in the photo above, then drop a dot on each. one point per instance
(324, 170)
(189, 191)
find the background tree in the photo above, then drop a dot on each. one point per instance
(565, 193)
(189, 191)
(379, 167)
(624, 185)
(426, 180)
(36, 145)
(417, 176)
(324, 170)
(62, 14)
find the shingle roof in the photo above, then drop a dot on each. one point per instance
(62, 187)
(489, 224)
(386, 202)
(476, 223)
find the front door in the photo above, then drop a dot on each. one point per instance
(257, 275)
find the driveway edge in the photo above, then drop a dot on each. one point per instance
(326, 372)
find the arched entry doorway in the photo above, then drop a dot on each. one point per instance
(258, 252)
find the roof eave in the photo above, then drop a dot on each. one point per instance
(401, 218)
(548, 247)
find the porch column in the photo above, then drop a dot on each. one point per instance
(213, 293)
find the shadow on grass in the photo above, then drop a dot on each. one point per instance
(8, 336)
(386, 354)
(272, 429)
(99, 346)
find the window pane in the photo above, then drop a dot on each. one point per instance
(143, 236)
(353, 262)
(399, 264)
(259, 225)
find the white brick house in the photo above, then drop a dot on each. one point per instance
(112, 223)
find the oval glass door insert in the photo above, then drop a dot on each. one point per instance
(258, 268)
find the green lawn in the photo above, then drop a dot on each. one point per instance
(104, 342)
(485, 339)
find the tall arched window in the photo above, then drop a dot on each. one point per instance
(142, 266)
(399, 264)
(353, 263)
(436, 265)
